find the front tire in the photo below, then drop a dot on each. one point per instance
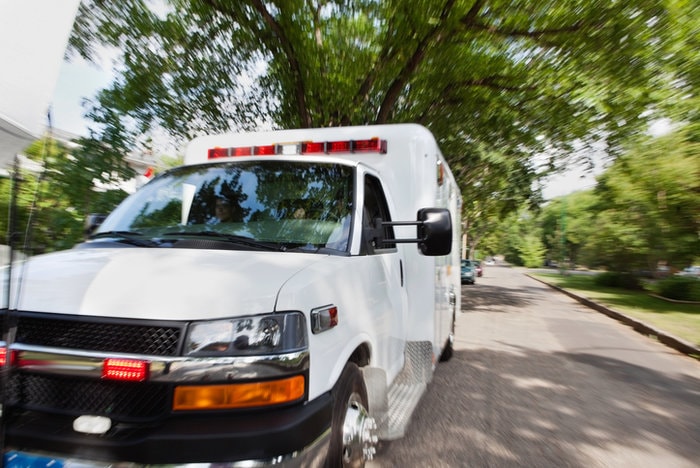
(353, 431)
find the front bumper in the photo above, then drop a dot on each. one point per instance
(294, 436)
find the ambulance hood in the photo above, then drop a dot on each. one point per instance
(157, 284)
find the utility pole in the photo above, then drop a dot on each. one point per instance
(563, 264)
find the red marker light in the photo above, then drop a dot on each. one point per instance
(373, 145)
(333, 316)
(131, 370)
(339, 146)
(265, 150)
(217, 153)
(242, 151)
(324, 318)
(312, 147)
(3, 356)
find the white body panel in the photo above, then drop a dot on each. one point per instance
(183, 284)
(157, 284)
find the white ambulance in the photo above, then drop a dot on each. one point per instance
(283, 299)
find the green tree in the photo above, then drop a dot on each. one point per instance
(679, 81)
(567, 223)
(63, 185)
(532, 250)
(513, 77)
(521, 239)
(647, 210)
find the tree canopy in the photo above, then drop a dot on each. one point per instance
(649, 205)
(513, 78)
(499, 72)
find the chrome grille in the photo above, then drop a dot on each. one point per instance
(122, 401)
(157, 339)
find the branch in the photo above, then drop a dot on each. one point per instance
(287, 50)
(471, 15)
(411, 65)
(299, 87)
(383, 58)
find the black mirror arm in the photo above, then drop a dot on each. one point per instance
(402, 223)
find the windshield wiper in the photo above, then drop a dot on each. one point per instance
(233, 238)
(128, 237)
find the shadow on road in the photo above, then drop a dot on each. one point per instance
(538, 416)
(495, 298)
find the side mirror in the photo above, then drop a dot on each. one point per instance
(434, 231)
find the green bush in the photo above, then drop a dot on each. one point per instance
(680, 288)
(615, 279)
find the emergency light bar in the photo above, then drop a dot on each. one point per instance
(373, 145)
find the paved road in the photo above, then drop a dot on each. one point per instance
(539, 380)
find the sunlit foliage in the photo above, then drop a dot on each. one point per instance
(512, 78)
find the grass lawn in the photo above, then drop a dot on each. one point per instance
(680, 320)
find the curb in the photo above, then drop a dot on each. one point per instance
(641, 327)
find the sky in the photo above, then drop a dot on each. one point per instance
(570, 181)
(77, 81)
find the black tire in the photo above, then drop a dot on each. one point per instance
(448, 350)
(349, 391)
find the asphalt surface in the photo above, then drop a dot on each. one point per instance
(540, 380)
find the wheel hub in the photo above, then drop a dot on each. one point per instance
(359, 435)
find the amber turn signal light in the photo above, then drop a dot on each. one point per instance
(239, 395)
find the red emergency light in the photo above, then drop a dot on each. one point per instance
(241, 151)
(265, 150)
(132, 370)
(3, 356)
(372, 145)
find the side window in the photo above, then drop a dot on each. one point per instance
(375, 206)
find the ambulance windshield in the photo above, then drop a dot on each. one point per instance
(280, 205)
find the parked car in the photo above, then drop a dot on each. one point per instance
(479, 269)
(468, 272)
(692, 271)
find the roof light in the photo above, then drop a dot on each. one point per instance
(132, 370)
(242, 151)
(240, 395)
(311, 147)
(217, 153)
(265, 150)
(339, 146)
(372, 145)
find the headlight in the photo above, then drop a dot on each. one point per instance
(246, 336)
